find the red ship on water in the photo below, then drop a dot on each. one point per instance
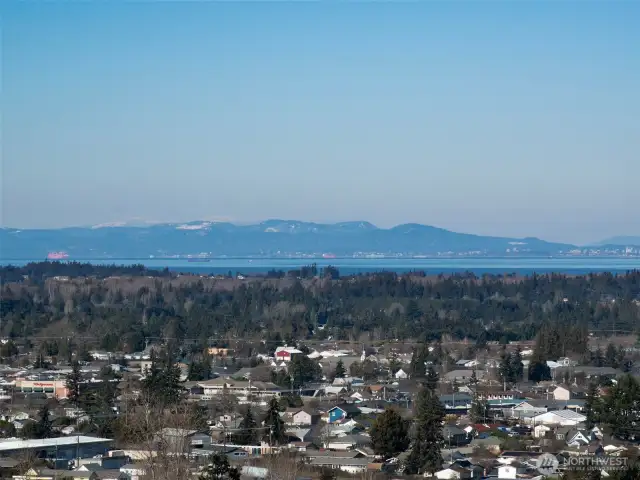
(328, 255)
(57, 255)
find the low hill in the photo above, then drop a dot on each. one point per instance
(271, 238)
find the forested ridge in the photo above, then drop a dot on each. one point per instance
(120, 307)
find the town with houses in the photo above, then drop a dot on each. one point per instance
(526, 430)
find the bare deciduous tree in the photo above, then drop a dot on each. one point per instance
(161, 439)
(283, 466)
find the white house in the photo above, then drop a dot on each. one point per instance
(451, 473)
(539, 431)
(331, 390)
(566, 362)
(579, 438)
(401, 375)
(507, 472)
(300, 416)
(357, 397)
(561, 393)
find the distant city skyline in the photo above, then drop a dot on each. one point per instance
(499, 118)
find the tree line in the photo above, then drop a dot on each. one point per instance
(120, 312)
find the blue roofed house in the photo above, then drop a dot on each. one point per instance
(340, 413)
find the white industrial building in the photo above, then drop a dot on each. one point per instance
(562, 418)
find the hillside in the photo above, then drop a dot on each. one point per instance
(622, 240)
(271, 238)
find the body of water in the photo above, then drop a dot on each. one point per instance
(519, 265)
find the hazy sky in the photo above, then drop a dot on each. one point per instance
(510, 118)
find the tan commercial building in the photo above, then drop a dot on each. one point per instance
(52, 388)
(218, 351)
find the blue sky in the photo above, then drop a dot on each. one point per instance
(511, 118)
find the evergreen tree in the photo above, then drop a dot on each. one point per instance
(621, 407)
(504, 370)
(44, 426)
(438, 353)
(161, 384)
(29, 430)
(427, 442)
(206, 365)
(8, 349)
(479, 410)
(194, 372)
(340, 370)
(389, 434)
(417, 367)
(597, 359)
(303, 369)
(276, 429)
(98, 401)
(152, 381)
(73, 383)
(172, 391)
(592, 406)
(199, 369)
(516, 366)
(219, 469)
(611, 356)
(413, 311)
(40, 361)
(7, 429)
(473, 381)
(538, 369)
(248, 430)
(431, 380)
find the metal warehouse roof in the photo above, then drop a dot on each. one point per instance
(17, 444)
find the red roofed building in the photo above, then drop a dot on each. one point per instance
(284, 354)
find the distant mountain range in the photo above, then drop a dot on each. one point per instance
(621, 240)
(272, 238)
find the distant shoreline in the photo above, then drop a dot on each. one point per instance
(185, 258)
(350, 265)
